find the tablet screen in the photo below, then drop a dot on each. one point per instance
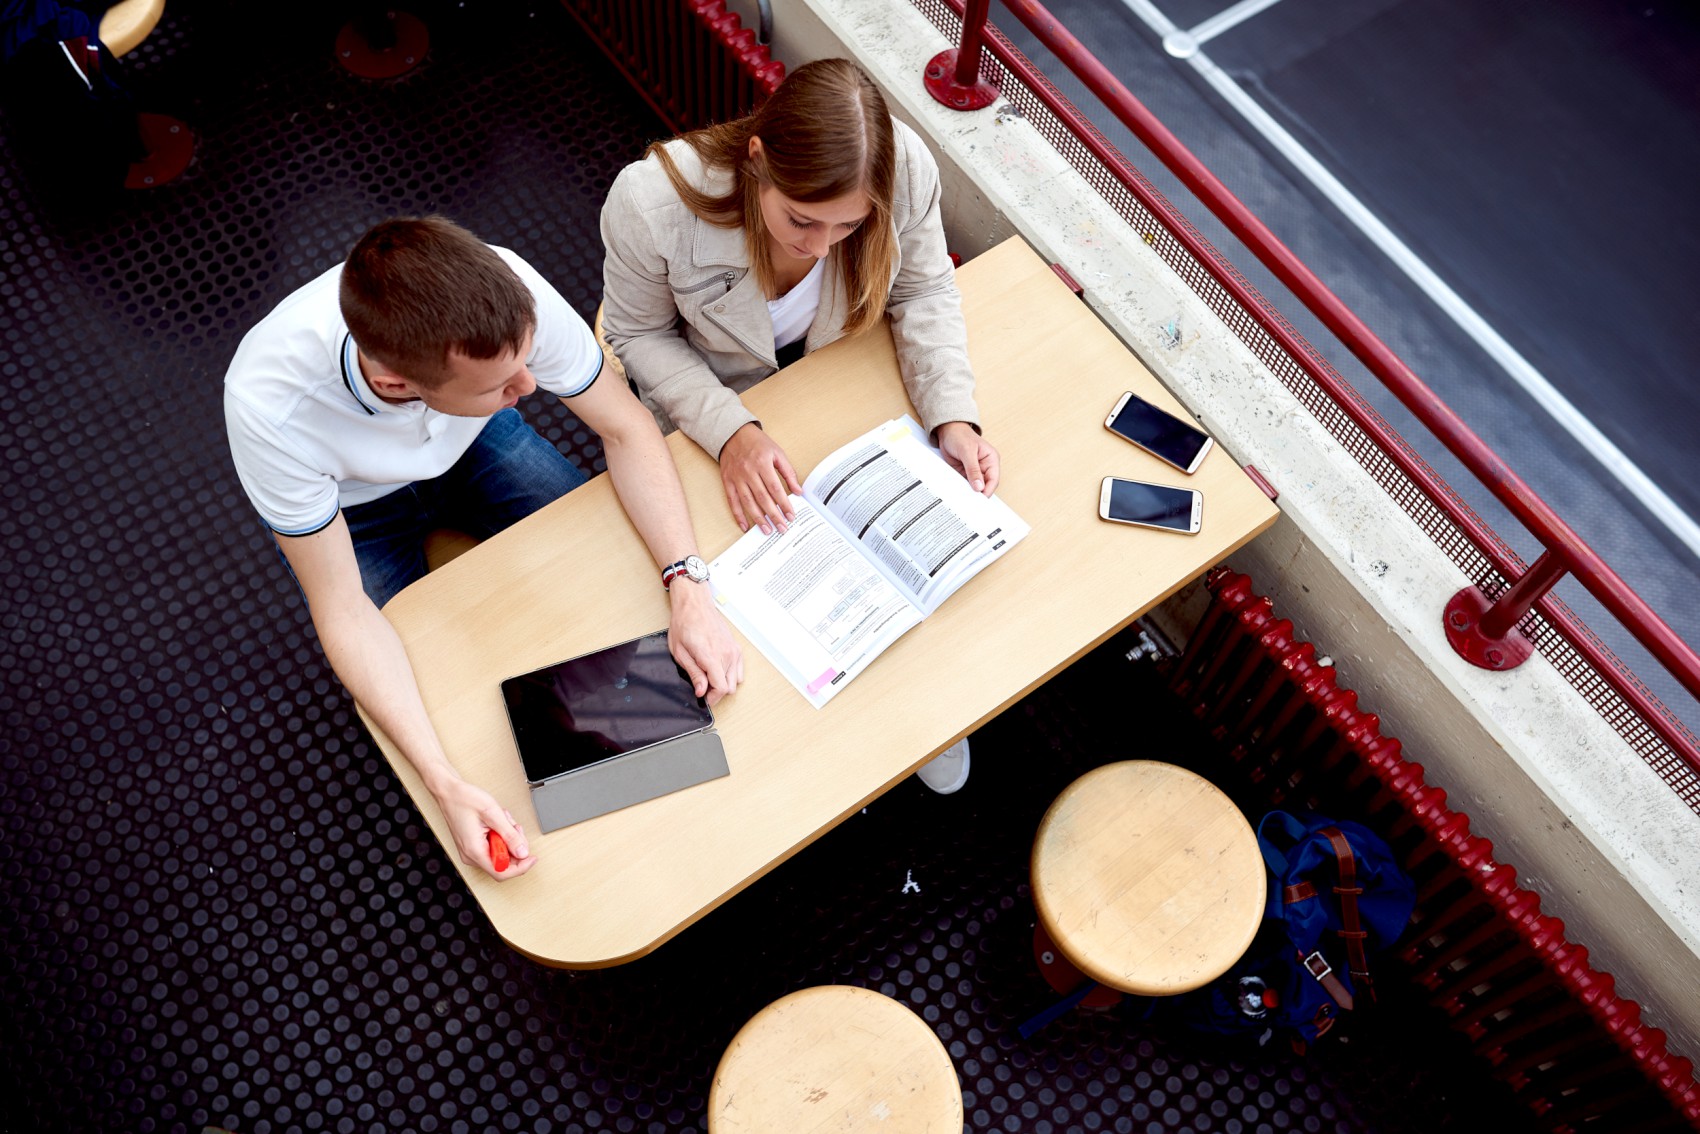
(617, 700)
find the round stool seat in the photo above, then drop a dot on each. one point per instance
(126, 24)
(835, 1058)
(1148, 878)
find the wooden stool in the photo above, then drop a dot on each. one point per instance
(617, 368)
(445, 545)
(1148, 878)
(169, 142)
(126, 24)
(835, 1058)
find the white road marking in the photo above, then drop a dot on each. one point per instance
(1227, 18)
(1183, 45)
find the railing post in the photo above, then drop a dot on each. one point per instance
(953, 75)
(1486, 634)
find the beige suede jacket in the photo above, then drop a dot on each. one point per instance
(685, 315)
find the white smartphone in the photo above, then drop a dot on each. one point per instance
(1158, 432)
(1151, 505)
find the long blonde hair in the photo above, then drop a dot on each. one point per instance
(825, 132)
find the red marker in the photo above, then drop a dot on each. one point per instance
(498, 853)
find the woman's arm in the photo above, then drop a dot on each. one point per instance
(641, 321)
(926, 320)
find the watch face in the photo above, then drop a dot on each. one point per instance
(690, 567)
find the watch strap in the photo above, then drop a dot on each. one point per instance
(682, 568)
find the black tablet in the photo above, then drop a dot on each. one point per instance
(604, 704)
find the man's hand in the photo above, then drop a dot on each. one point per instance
(647, 483)
(970, 454)
(701, 641)
(472, 813)
(758, 479)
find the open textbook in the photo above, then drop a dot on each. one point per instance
(885, 531)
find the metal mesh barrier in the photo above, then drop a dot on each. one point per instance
(1552, 627)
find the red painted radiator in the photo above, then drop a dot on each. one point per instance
(1544, 1019)
(692, 60)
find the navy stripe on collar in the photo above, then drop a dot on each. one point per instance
(348, 375)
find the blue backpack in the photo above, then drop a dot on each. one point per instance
(1336, 896)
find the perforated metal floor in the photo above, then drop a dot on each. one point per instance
(220, 910)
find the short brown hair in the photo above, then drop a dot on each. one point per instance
(415, 288)
(825, 132)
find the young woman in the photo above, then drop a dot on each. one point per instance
(734, 250)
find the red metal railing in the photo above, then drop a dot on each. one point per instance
(1530, 1002)
(1509, 632)
(704, 68)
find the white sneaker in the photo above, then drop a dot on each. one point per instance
(947, 771)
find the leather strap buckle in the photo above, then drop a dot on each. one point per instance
(1331, 984)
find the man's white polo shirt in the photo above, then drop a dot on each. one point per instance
(308, 435)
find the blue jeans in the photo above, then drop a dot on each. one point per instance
(508, 473)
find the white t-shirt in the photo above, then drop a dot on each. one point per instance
(309, 437)
(794, 312)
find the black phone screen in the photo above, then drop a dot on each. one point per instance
(1154, 504)
(1160, 433)
(580, 712)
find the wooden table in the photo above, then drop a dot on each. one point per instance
(575, 576)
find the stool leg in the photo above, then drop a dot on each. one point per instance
(381, 42)
(169, 146)
(1059, 972)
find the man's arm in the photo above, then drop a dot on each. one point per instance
(647, 483)
(366, 654)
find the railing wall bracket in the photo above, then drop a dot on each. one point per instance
(1485, 634)
(1466, 613)
(952, 76)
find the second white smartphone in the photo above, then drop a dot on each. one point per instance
(1151, 505)
(1158, 432)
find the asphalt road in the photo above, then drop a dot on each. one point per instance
(1539, 159)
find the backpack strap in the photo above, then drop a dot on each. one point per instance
(1351, 927)
(1317, 966)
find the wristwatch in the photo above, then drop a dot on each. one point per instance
(690, 567)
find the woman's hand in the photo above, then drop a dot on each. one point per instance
(759, 479)
(970, 454)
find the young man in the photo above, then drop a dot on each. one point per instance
(376, 403)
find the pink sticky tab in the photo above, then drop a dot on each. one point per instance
(815, 685)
